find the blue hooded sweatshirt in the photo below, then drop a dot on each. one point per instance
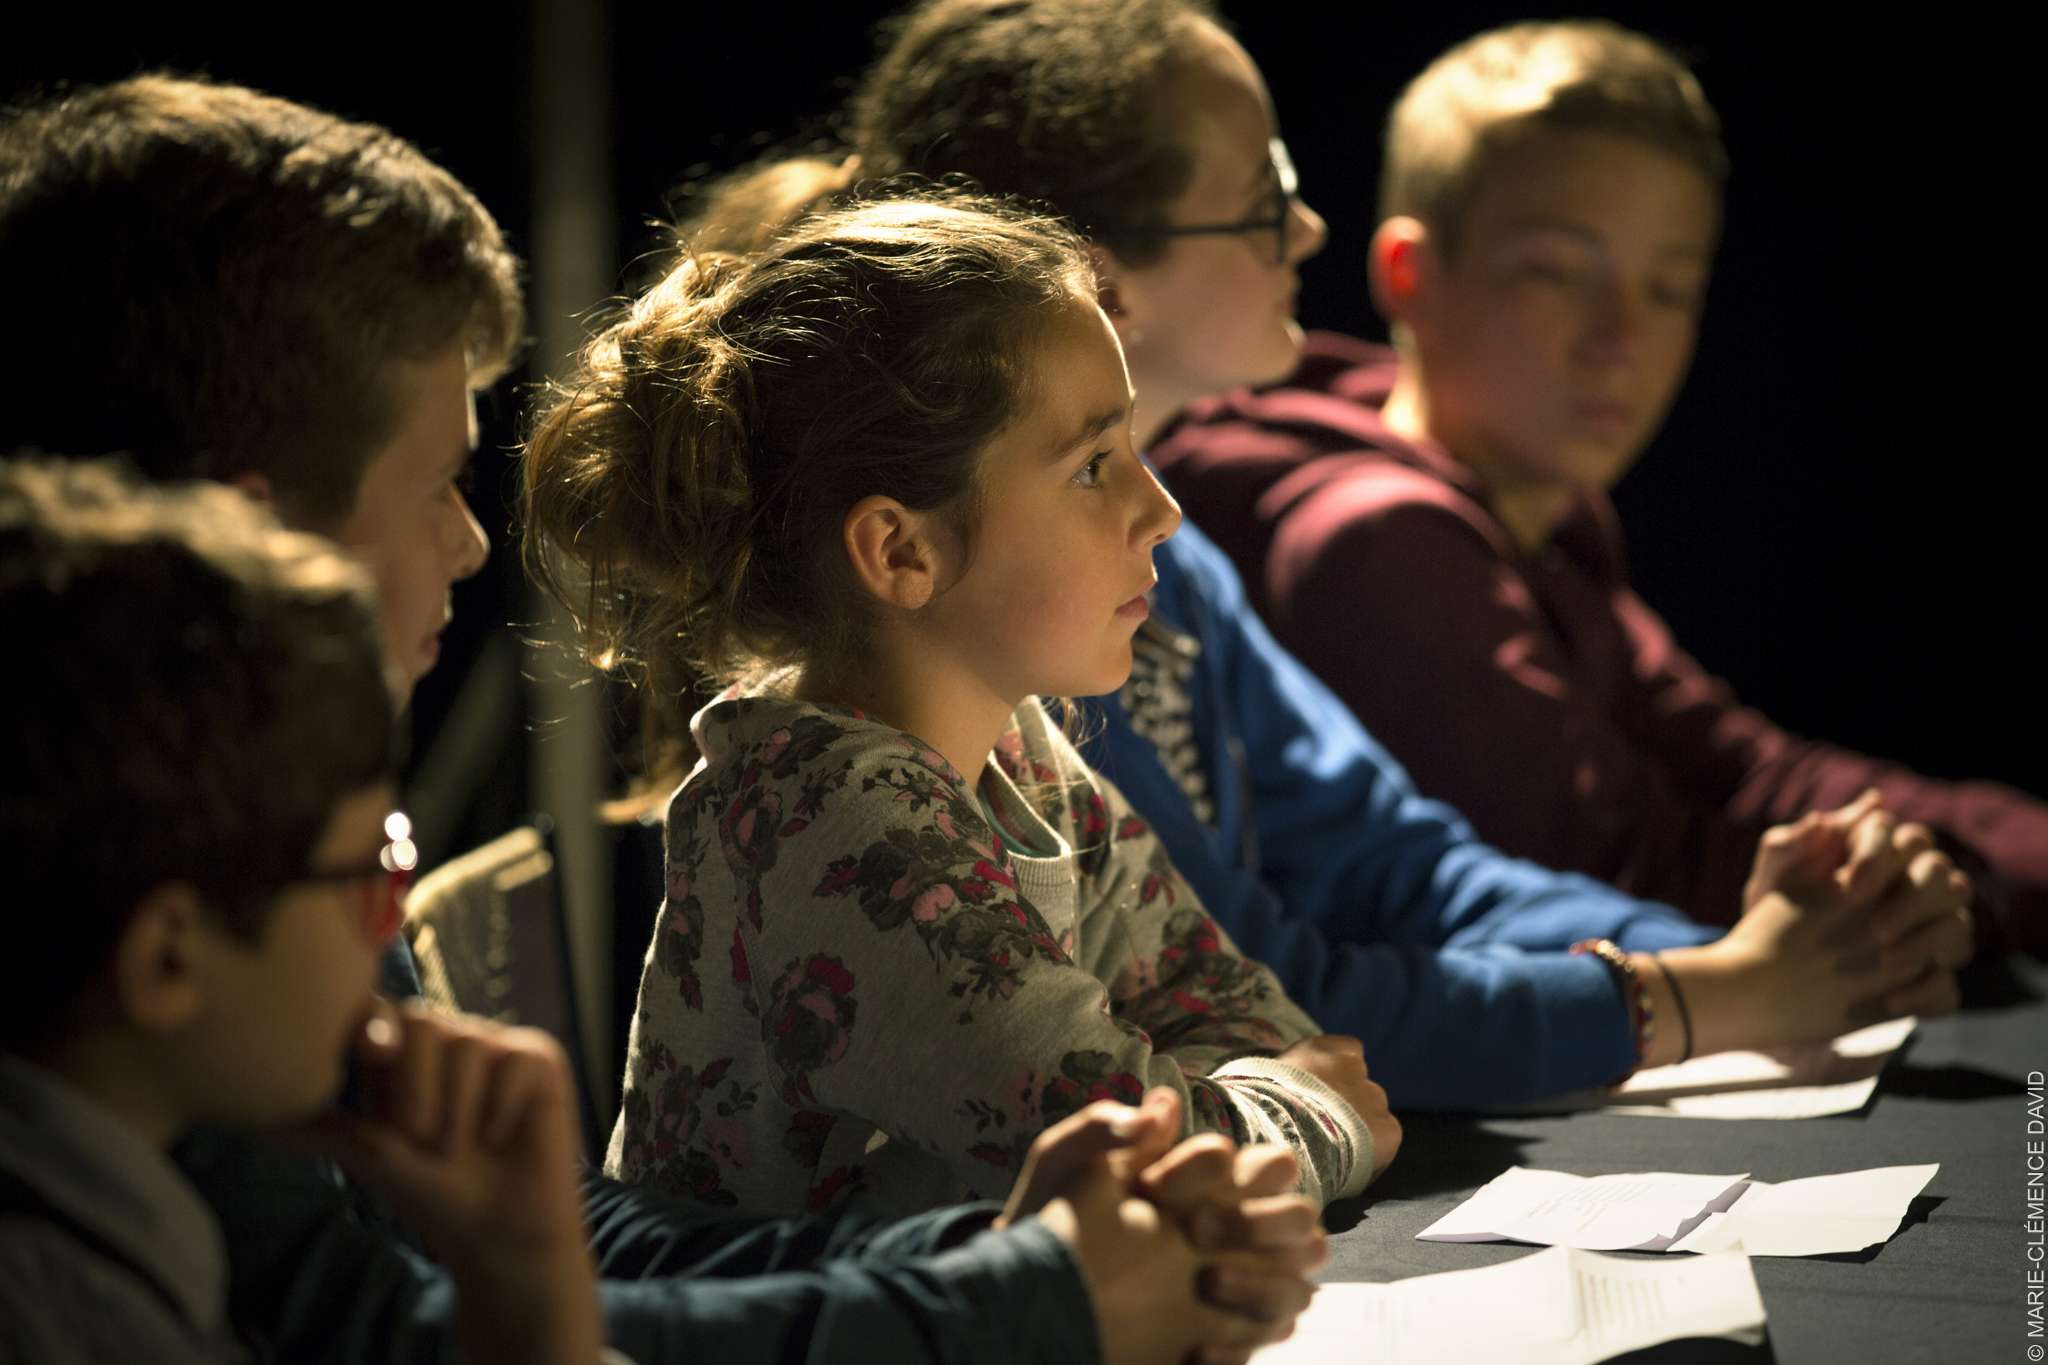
(1381, 912)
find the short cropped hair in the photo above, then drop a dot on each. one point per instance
(217, 282)
(1469, 107)
(200, 689)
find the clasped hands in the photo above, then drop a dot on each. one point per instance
(1855, 916)
(1195, 1252)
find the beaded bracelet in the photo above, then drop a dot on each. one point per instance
(1636, 996)
(1678, 999)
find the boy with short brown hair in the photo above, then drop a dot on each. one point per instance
(289, 260)
(1428, 527)
(279, 299)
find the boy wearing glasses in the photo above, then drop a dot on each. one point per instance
(217, 948)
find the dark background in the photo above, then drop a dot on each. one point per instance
(1840, 516)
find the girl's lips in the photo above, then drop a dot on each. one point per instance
(1137, 608)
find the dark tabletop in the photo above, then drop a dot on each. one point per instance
(1948, 1287)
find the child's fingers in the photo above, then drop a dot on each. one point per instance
(1944, 941)
(1285, 1223)
(1150, 1133)
(506, 1102)
(529, 1103)
(1783, 844)
(1934, 993)
(1267, 1168)
(1873, 862)
(1162, 1103)
(520, 1085)
(1912, 839)
(1197, 1169)
(1131, 1138)
(1843, 817)
(1258, 1299)
(465, 1068)
(1925, 894)
(410, 1089)
(1792, 857)
(1279, 1232)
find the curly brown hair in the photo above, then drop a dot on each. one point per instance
(183, 643)
(221, 281)
(684, 490)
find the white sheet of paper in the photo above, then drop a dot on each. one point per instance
(1663, 1211)
(1818, 1216)
(1555, 1307)
(1838, 1077)
(1638, 1212)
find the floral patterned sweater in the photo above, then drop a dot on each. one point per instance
(859, 985)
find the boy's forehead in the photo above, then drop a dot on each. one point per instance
(434, 432)
(1592, 182)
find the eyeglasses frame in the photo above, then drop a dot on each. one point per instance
(1286, 181)
(393, 865)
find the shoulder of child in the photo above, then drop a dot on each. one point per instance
(62, 1302)
(799, 762)
(828, 802)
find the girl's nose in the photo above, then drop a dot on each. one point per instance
(1160, 515)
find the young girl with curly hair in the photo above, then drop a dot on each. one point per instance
(879, 478)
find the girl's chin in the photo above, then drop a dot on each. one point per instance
(1280, 357)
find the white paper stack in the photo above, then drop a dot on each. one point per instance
(1556, 1307)
(1661, 1211)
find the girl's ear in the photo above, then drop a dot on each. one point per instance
(893, 552)
(159, 960)
(1120, 299)
(1400, 265)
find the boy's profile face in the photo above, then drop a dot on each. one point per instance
(1554, 339)
(411, 526)
(279, 1015)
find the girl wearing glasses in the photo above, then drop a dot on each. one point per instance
(1176, 174)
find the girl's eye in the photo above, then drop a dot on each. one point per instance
(464, 481)
(1090, 474)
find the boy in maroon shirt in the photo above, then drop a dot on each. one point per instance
(1427, 526)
